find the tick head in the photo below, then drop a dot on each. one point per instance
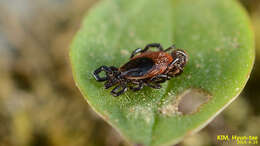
(180, 58)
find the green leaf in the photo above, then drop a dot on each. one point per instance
(217, 36)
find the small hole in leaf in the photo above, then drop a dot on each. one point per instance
(188, 102)
(192, 99)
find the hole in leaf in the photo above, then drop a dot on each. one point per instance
(187, 102)
(191, 100)
(170, 108)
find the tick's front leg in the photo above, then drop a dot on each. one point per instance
(176, 72)
(170, 48)
(160, 78)
(154, 85)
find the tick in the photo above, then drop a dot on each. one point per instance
(145, 68)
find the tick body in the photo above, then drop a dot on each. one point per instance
(145, 68)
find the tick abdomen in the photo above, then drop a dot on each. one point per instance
(137, 67)
(145, 65)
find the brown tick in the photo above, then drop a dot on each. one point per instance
(149, 68)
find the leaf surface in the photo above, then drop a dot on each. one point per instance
(217, 36)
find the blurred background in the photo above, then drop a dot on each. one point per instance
(39, 103)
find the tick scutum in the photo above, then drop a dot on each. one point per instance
(137, 67)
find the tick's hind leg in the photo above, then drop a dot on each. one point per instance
(99, 70)
(170, 48)
(118, 90)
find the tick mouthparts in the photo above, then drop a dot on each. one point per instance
(173, 62)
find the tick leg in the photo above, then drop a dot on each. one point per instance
(136, 51)
(109, 84)
(100, 69)
(175, 72)
(170, 48)
(160, 78)
(180, 71)
(147, 47)
(113, 68)
(114, 72)
(154, 85)
(139, 87)
(153, 45)
(116, 91)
